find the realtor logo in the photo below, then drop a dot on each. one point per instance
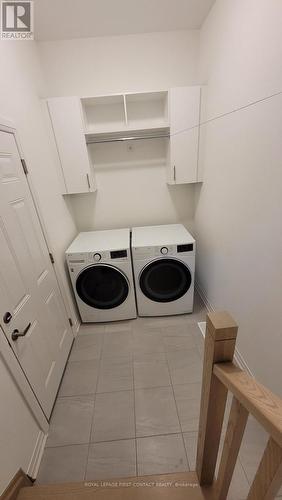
(17, 20)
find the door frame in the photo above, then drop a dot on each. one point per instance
(9, 127)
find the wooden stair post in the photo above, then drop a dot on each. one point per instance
(220, 340)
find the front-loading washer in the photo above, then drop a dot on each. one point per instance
(100, 269)
(164, 268)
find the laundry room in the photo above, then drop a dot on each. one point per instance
(140, 207)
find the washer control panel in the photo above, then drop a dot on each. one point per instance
(78, 259)
(141, 253)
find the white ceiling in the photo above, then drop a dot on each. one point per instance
(64, 19)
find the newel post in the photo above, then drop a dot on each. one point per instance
(220, 340)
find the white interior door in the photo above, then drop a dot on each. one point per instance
(30, 301)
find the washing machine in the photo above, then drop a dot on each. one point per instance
(100, 268)
(164, 268)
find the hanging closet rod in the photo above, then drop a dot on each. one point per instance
(121, 139)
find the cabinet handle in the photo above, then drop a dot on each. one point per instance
(174, 173)
(16, 334)
(88, 181)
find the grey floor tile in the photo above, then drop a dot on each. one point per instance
(174, 342)
(164, 321)
(155, 412)
(199, 340)
(190, 441)
(188, 397)
(185, 366)
(63, 464)
(80, 378)
(117, 344)
(113, 416)
(118, 358)
(161, 454)
(71, 421)
(87, 347)
(146, 325)
(119, 326)
(188, 336)
(147, 342)
(149, 357)
(116, 374)
(91, 329)
(180, 329)
(111, 460)
(151, 370)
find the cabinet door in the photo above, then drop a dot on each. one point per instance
(184, 114)
(184, 157)
(67, 122)
(184, 108)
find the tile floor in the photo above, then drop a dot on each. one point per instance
(129, 404)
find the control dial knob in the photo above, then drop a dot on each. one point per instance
(97, 257)
(164, 250)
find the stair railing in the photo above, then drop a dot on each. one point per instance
(221, 375)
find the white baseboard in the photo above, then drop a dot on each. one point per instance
(204, 297)
(37, 455)
(238, 358)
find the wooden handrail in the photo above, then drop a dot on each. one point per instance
(265, 406)
(220, 340)
(220, 375)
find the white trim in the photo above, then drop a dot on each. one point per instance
(202, 326)
(242, 363)
(238, 358)
(36, 457)
(204, 298)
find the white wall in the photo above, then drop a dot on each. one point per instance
(133, 190)
(20, 85)
(238, 207)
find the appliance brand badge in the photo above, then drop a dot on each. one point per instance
(17, 20)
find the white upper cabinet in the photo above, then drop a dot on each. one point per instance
(184, 118)
(183, 157)
(67, 123)
(79, 122)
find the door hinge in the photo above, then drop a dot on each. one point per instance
(51, 258)
(24, 166)
(70, 322)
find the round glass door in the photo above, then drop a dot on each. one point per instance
(165, 280)
(102, 286)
